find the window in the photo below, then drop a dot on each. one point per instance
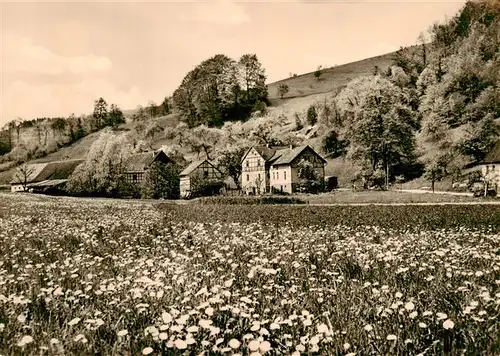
(284, 173)
(278, 175)
(493, 167)
(259, 176)
(487, 169)
(248, 163)
(273, 175)
(205, 174)
(134, 178)
(258, 163)
(248, 178)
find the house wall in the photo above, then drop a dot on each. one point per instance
(282, 178)
(16, 188)
(253, 176)
(493, 172)
(185, 186)
(203, 171)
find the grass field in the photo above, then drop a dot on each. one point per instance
(82, 276)
(346, 197)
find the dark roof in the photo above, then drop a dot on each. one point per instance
(494, 155)
(141, 161)
(288, 156)
(50, 170)
(268, 153)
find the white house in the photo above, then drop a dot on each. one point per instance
(266, 169)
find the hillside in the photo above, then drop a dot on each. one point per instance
(305, 90)
(331, 80)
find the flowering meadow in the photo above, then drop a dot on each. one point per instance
(82, 276)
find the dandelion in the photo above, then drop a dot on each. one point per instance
(209, 311)
(422, 325)
(254, 345)
(274, 326)
(409, 306)
(448, 324)
(322, 328)
(180, 344)
(147, 351)
(441, 316)
(25, 340)
(234, 344)
(368, 328)
(392, 337)
(347, 346)
(265, 346)
(74, 321)
(122, 333)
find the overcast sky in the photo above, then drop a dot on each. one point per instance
(58, 57)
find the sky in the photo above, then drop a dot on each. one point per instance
(56, 58)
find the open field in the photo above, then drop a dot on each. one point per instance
(82, 276)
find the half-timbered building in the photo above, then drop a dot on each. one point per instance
(201, 169)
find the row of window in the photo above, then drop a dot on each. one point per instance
(276, 176)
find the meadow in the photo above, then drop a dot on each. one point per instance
(83, 276)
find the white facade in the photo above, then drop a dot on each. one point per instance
(16, 188)
(254, 178)
(282, 178)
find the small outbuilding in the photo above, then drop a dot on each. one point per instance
(201, 170)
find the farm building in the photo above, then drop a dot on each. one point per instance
(39, 177)
(266, 169)
(139, 164)
(201, 169)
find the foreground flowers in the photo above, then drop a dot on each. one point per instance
(90, 276)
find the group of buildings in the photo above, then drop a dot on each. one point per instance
(264, 169)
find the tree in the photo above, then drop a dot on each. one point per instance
(165, 106)
(229, 163)
(480, 139)
(308, 178)
(434, 172)
(100, 114)
(203, 139)
(115, 116)
(381, 125)
(333, 146)
(102, 172)
(318, 72)
(254, 79)
(161, 181)
(282, 90)
(312, 115)
(140, 114)
(153, 110)
(23, 173)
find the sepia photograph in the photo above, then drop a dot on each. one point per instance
(250, 178)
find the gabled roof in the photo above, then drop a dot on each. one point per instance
(267, 153)
(49, 171)
(191, 167)
(291, 154)
(141, 161)
(494, 155)
(195, 164)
